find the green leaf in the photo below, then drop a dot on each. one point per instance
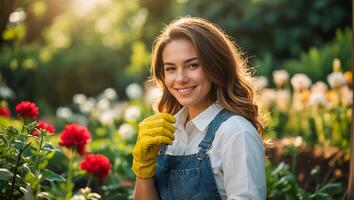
(49, 147)
(31, 178)
(5, 174)
(18, 144)
(52, 176)
(43, 195)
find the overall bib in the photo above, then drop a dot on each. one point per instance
(189, 177)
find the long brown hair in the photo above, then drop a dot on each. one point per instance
(222, 62)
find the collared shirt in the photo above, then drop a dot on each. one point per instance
(237, 154)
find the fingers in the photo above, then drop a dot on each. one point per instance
(170, 118)
(148, 141)
(159, 131)
(157, 123)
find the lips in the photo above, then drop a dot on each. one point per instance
(185, 90)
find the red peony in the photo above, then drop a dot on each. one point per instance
(96, 164)
(46, 126)
(5, 112)
(76, 136)
(27, 109)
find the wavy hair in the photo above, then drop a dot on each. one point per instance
(222, 62)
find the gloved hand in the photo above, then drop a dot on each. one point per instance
(153, 131)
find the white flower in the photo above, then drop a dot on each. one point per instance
(346, 96)
(110, 94)
(134, 91)
(78, 197)
(107, 117)
(282, 99)
(79, 99)
(88, 105)
(6, 92)
(126, 131)
(132, 113)
(103, 104)
(298, 141)
(64, 112)
(318, 99)
(300, 82)
(17, 16)
(280, 77)
(153, 94)
(319, 86)
(267, 98)
(260, 82)
(336, 80)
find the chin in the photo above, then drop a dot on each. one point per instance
(186, 103)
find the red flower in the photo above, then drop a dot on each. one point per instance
(96, 164)
(46, 126)
(75, 135)
(5, 111)
(27, 109)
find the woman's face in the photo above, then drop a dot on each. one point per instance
(184, 76)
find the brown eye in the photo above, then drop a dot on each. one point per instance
(168, 69)
(194, 65)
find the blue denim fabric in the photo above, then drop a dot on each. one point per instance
(189, 177)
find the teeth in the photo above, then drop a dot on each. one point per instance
(185, 90)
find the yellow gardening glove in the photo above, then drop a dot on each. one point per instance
(153, 131)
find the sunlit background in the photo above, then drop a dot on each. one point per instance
(87, 61)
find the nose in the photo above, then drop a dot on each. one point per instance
(182, 76)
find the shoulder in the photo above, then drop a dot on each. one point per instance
(236, 125)
(237, 131)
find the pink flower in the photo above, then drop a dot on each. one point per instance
(96, 164)
(76, 136)
(5, 111)
(27, 109)
(45, 126)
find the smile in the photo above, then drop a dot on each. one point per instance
(186, 90)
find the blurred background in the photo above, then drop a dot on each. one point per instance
(87, 61)
(51, 50)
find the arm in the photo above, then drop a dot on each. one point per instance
(153, 131)
(244, 167)
(145, 189)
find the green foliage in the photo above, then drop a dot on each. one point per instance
(317, 62)
(280, 28)
(23, 162)
(282, 185)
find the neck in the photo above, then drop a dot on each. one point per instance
(193, 111)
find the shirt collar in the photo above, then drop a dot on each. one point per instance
(202, 120)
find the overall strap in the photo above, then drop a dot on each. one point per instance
(205, 144)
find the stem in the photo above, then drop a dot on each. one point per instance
(294, 161)
(37, 164)
(69, 179)
(39, 150)
(15, 172)
(89, 181)
(319, 126)
(18, 162)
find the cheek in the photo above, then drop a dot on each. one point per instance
(168, 81)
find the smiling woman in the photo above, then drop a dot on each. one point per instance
(207, 141)
(184, 77)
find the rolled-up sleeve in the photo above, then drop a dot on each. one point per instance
(243, 166)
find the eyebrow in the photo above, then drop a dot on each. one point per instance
(186, 61)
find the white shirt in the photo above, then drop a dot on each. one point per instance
(237, 154)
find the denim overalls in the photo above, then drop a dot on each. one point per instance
(189, 177)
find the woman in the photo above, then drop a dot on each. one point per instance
(206, 142)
